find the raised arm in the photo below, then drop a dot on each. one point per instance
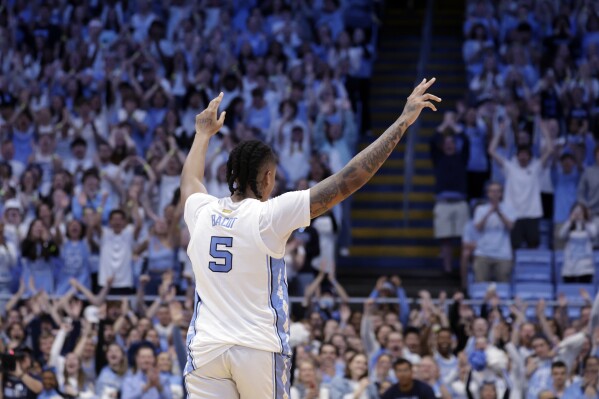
(207, 125)
(364, 165)
(495, 143)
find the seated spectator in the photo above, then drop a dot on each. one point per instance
(110, 379)
(50, 385)
(493, 253)
(428, 373)
(579, 233)
(355, 380)
(21, 382)
(145, 381)
(407, 386)
(588, 386)
(307, 384)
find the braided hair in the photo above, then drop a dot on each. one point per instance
(244, 163)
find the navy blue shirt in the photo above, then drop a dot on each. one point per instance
(419, 390)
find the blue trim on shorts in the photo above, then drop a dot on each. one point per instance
(281, 377)
(279, 300)
(191, 333)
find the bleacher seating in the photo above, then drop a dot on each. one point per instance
(533, 265)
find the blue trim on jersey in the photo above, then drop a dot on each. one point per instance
(279, 300)
(191, 333)
(270, 295)
(281, 376)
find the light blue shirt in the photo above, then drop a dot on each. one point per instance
(494, 239)
(133, 388)
(575, 391)
(477, 160)
(75, 264)
(565, 189)
(540, 379)
(108, 379)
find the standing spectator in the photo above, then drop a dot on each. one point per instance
(40, 257)
(588, 190)
(90, 195)
(493, 253)
(146, 382)
(579, 232)
(478, 162)
(75, 259)
(407, 386)
(116, 250)
(566, 176)
(161, 246)
(451, 210)
(523, 191)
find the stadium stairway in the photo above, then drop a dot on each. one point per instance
(384, 240)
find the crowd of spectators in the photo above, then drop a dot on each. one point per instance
(97, 112)
(523, 141)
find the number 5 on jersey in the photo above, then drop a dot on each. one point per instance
(221, 254)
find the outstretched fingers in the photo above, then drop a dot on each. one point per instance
(428, 104)
(428, 84)
(429, 96)
(213, 106)
(221, 120)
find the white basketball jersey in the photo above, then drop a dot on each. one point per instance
(236, 250)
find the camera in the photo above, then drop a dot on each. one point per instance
(8, 362)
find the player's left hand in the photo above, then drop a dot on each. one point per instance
(208, 122)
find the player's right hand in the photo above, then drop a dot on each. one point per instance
(207, 121)
(419, 100)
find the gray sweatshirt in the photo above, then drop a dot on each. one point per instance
(588, 189)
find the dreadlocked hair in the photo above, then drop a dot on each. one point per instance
(244, 163)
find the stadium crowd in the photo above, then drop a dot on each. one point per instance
(521, 147)
(97, 108)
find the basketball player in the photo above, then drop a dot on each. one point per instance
(238, 340)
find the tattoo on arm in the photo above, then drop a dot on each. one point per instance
(356, 173)
(204, 122)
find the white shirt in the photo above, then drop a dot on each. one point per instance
(168, 186)
(236, 250)
(116, 252)
(523, 188)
